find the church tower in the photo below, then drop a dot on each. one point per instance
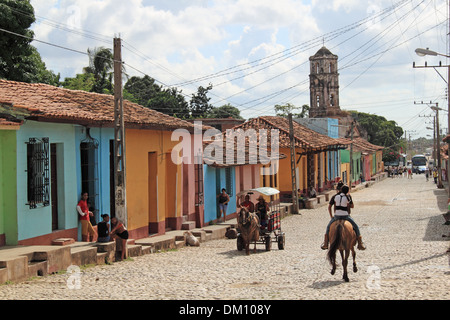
(324, 85)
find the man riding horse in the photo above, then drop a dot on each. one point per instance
(342, 203)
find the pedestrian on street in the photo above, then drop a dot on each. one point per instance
(224, 198)
(103, 229)
(120, 232)
(84, 216)
(435, 175)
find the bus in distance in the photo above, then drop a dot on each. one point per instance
(419, 163)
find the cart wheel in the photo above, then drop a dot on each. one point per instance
(268, 243)
(281, 241)
(240, 243)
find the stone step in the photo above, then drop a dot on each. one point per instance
(188, 225)
(134, 250)
(102, 258)
(63, 241)
(148, 249)
(83, 255)
(37, 268)
(180, 244)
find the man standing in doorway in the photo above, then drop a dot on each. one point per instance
(84, 215)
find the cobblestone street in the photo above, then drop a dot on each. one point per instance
(401, 223)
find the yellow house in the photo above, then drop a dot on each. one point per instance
(154, 185)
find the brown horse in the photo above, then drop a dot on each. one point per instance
(342, 238)
(249, 228)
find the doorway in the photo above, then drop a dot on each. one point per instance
(54, 185)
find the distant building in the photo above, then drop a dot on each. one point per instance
(324, 85)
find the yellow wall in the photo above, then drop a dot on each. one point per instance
(153, 180)
(285, 179)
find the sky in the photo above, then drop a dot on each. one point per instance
(256, 53)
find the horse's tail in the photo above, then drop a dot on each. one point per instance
(334, 246)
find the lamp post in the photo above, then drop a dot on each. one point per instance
(427, 52)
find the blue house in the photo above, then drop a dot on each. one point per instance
(330, 128)
(216, 178)
(61, 144)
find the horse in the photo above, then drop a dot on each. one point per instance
(249, 228)
(342, 238)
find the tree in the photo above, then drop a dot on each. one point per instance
(147, 93)
(199, 104)
(285, 110)
(101, 66)
(19, 60)
(84, 82)
(143, 89)
(225, 111)
(171, 102)
(381, 132)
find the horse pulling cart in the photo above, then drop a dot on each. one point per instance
(269, 228)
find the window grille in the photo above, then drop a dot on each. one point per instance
(38, 179)
(229, 181)
(199, 193)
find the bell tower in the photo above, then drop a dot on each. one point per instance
(324, 85)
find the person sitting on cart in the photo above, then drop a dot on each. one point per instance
(262, 208)
(247, 204)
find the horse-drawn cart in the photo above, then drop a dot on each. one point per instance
(269, 228)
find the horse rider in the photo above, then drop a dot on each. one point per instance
(342, 202)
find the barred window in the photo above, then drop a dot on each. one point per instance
(38, 181)
(229, 181)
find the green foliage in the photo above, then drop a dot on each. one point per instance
(19, 60)
(285, 110)
(225, 111)
(199, 104)
(381, 132)
(84, 82)
(101, 67)
(147, 93)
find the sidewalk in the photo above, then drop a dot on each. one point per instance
(18, 263)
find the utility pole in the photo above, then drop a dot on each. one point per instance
(351, 156)
(119, 138)
(435, 107)
(438, 147)
(293, 171)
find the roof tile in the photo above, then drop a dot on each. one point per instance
(50, 102)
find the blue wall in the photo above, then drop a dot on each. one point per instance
(103, 136)
(214, 180)
(36, 222)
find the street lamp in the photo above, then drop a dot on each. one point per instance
(427, 52)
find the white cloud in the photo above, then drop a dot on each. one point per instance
(198, 38)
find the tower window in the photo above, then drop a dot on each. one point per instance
(318, 100)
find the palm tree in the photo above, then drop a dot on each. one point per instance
(101, 66)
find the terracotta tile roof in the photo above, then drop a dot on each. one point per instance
(305, 138)
(363, 145)
(252, 151)
(46, 102)
(9, 124)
